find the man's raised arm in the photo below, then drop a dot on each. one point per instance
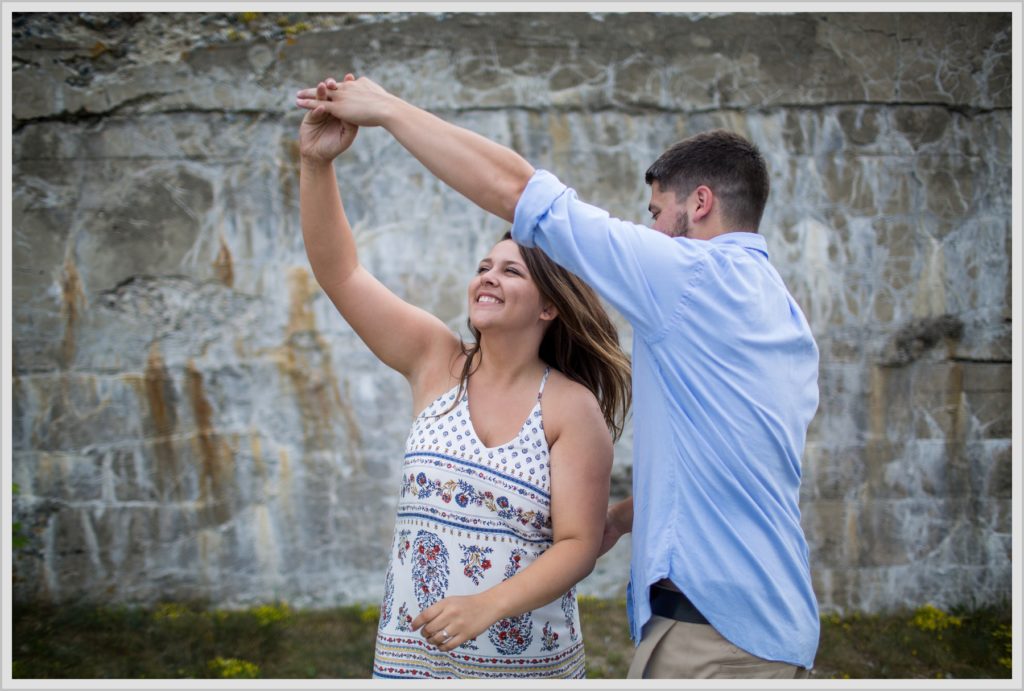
(487, 173)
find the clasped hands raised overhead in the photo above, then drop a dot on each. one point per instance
(359, 102)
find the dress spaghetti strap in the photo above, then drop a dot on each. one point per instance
(543, 381)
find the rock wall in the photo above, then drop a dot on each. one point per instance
(191, 419)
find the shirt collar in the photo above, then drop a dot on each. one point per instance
(750, 241)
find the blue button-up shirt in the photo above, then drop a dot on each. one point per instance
(725, 383)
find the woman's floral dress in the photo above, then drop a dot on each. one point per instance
(469, 517)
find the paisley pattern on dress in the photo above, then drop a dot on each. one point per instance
(470, 516)
(429, 568)
(513, 635)
(571, 612)
(389, 591)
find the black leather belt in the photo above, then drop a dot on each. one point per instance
(674, 605)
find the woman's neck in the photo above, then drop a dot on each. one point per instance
(503, 362)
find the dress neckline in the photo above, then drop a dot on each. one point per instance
(522, 427)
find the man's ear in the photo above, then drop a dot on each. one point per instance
(704, 203)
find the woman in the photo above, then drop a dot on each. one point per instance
(506, 473)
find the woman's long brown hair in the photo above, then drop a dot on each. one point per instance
(581, 342)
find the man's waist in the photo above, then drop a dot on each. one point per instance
(669, 602)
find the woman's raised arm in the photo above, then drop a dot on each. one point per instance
(404, 337)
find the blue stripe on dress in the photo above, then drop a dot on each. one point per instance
(460, 526)
(489, 469)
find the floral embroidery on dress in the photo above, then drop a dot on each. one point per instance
(484, 512)
(513, 635)
(389, 593)
(475, 561)
(549, 637)
(514, 560)
(429, 568)
(403, 545)
(403, 622)
(464, 494)
(569, 609)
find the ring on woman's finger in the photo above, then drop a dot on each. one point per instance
(447, 636)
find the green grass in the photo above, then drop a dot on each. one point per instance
(926, 643)
(275, 642)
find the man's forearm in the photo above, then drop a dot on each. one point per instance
(487, 173)
(617, 522)
(621, 514)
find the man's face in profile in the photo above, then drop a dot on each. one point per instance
(669, 216)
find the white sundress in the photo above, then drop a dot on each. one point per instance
(470, 517)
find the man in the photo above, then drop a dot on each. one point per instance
(724, 383)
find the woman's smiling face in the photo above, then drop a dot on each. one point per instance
(503, 294)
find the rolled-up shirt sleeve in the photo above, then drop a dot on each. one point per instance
(644, 274)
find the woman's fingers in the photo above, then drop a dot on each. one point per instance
(313, 98)
(319, 91)
(450, 643)
(427, 616)
(437, 628)
(442, 638)
(307, 97)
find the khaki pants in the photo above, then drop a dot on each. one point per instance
(673, 649)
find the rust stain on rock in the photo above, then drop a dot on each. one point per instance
(157, 381)
(223, 265)
(301, 290)
(305, 359)
(216, 472)
(71, 306)
(160, 400)
(256, 446)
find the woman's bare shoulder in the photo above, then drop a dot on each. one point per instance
(568, 403)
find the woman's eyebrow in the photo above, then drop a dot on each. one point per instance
(503, 262)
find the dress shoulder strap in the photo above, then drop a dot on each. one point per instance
(543, 381)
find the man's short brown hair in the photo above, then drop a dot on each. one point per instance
(724, 161)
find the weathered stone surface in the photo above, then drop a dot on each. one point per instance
(191, 418)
